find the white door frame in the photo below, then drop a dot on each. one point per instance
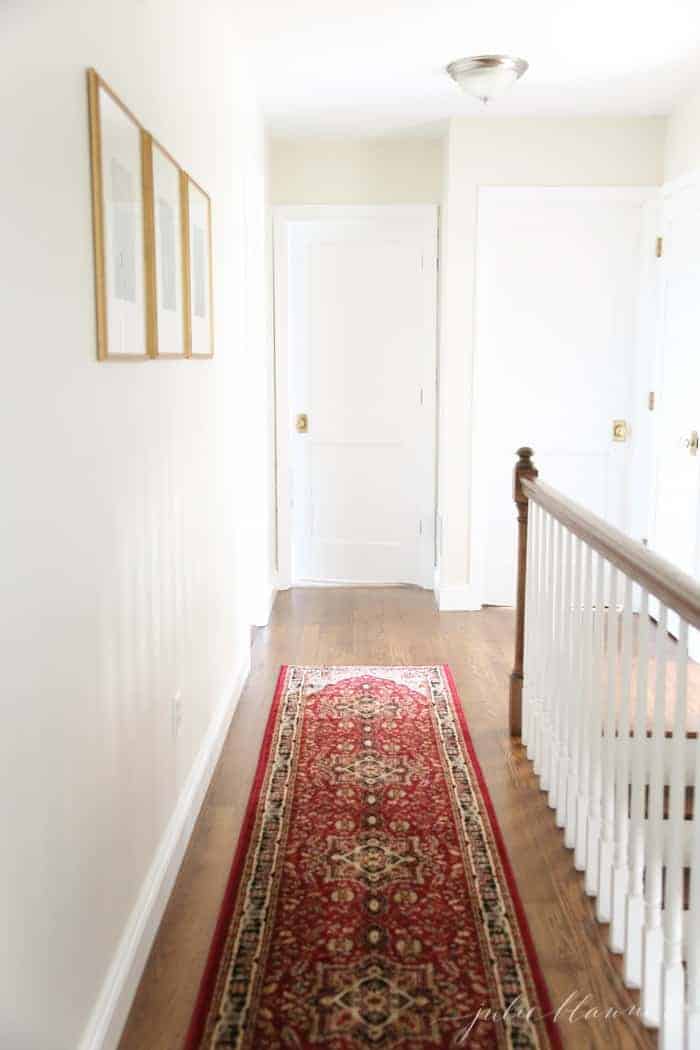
(479, 486)
(689, 181)
(283, 217)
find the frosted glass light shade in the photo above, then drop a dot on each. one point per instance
(487, 76)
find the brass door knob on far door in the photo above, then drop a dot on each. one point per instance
(302, 423)
(619, 430)
(692, 442)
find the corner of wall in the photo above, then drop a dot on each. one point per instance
(682, 139)
(462, 598)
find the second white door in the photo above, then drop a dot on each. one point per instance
(558, 283)
(676, 532)
(360, 327)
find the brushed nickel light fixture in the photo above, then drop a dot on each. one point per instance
(487, 76)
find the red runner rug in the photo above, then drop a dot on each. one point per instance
(371, 902)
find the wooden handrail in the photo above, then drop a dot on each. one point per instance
(659, 577)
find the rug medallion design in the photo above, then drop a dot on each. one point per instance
(371, 903)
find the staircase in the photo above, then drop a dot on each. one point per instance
(608, 706)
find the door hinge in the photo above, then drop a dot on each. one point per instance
(421, 395)
(659, 247)
(420, 526)
(651, 401)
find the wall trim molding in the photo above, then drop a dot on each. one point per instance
(463, 598)
(304, 582)
(104, 1028)
(265, 601)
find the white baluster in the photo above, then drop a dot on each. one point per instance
(536, 623)
(574, 702)
(653, 931)
(622, 783)
(532, 615)
(530, 621)
(693, 1013)
(543, 634)
(567, 649)
(595, 792)
(671, 1035)
(548, 700)
(557, 677)
(542, 649)
(635, 899)
(604, 903)
(583, 714)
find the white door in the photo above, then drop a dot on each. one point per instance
(677, 517)
(557, 286)
(360, 320)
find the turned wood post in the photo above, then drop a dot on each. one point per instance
(524, 468)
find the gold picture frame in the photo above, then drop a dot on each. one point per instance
(122, 227)
(197, 255)
(168, 298)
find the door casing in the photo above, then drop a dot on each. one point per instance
(680, 193)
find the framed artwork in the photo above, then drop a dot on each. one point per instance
(120, 226)
(199, 328)
(165, 271)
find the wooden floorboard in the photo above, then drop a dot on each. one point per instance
(391, 626)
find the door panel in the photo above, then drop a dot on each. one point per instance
(362, 367)
(678, 469)
(557, 280)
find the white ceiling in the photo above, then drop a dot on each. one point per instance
(370, 67)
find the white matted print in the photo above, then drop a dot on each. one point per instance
(118, 218)
(169, 271)
(198, 256)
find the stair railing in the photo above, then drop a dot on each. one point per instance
(599, 694)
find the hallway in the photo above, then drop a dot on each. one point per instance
(391, 626)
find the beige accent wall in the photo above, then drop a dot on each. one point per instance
(356, 171)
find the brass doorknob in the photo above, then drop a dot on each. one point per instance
(692, 442)
(302, 423)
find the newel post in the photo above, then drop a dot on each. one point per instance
(524, 468)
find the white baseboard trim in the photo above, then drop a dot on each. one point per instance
(109, 1015)
(458, 599)
(304, 582)
(263, 607)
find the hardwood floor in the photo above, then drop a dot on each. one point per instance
(392, 626)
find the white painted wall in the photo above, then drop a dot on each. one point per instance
(356, 171)
(123, 489)
(506, 152)
(682, 154)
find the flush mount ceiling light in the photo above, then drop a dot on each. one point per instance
(487, 76)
